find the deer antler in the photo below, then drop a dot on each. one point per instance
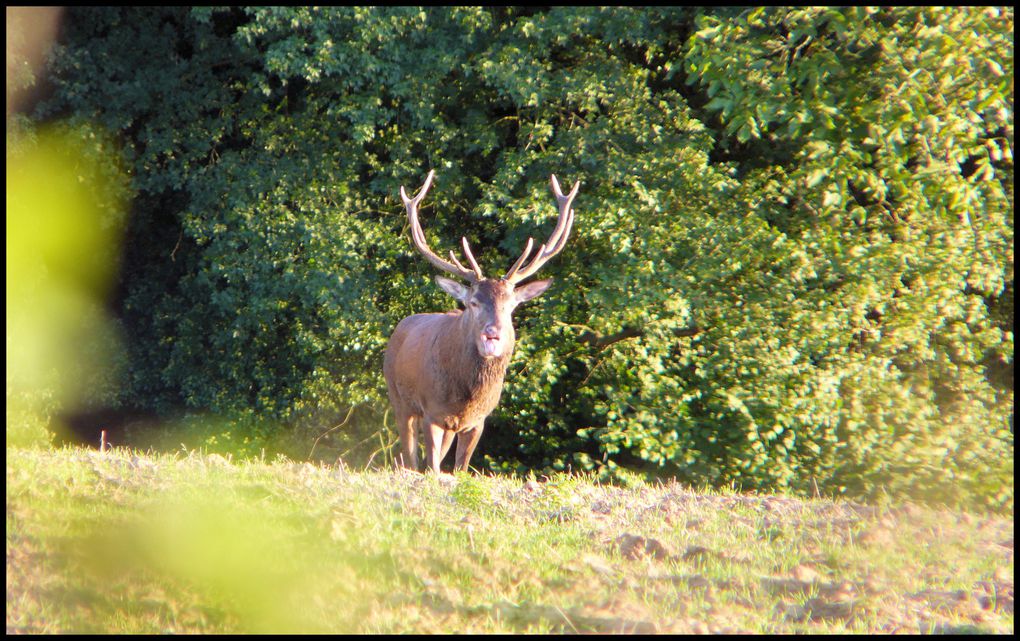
(418, 237)
(556, 241)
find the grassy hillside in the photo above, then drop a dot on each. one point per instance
(124, 542)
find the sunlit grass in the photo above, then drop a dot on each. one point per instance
(124, 542)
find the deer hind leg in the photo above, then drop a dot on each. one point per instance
(466, 442)
(408, 431)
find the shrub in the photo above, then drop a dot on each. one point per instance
(792, 263)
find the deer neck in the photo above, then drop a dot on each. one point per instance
(474, 372)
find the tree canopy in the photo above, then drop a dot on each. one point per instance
(791, 266)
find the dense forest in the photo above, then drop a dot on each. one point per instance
(791, 266)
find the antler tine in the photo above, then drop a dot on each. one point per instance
(471, 258)
(418, 238)
(453, 259)
(520, 261)
(557, 240)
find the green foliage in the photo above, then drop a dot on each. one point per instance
(792, 264)
(890, 188)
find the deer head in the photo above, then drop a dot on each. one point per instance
(488, 302)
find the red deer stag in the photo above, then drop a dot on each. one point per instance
(445, 371)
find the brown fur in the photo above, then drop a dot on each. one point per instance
(445, 371)
(437, 377)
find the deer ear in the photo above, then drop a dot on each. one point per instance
(531, 290)
(453, 288)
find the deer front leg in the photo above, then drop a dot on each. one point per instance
(466, 442)
(436, 444)
(447, 442)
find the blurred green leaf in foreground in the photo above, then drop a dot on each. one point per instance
(65, 217)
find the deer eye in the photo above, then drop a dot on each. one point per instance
(474, 304)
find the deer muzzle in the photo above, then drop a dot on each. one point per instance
(491, 343)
